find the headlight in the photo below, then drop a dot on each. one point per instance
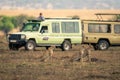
(23, 36)
(8, 36)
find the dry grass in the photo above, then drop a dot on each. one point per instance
(83, 14)
(27, 65)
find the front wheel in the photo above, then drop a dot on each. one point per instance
(103, 45)
(30, 45)
(66, 45)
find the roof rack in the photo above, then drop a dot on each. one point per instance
(37, 20)
(100, 18)
(107, 14)
(63, 18)
(34, 20)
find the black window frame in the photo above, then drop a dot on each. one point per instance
(116, 25)
(70, 27)
(99, 27)
(55, 27)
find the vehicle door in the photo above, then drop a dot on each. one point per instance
(44, 35)
(55, 37)
(116, 34)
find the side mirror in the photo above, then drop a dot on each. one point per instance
(21, 29)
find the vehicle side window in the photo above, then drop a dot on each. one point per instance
(99, 28)
(70, 27)
(117, 28)
(44, 29)
(35, 27)
(55, 28)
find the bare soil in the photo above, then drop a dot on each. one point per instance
(27, 65)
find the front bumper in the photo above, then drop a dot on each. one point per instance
(17, 42)
(16, 39)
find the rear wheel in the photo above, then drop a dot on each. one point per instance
(66, 45)
(30, 45)
(103, 45)
(47, 47)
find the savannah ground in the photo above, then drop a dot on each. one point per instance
(27, 65)
(83, 13)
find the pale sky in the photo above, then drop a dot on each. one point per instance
(60, 4)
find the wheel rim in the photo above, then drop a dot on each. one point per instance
(103, 46)
(67, 47)
(30, 46)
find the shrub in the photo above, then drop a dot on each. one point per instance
(8, 23)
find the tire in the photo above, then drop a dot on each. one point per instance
(95, 46)
(10, 46)
(47, 47)
(13, 47)
(66, 45)
(103, 45)
(30, 45)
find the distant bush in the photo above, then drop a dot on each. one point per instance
(75, 17)
(19, 20)
(116, 17)
(8, 23)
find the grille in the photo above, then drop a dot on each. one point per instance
(15, 37)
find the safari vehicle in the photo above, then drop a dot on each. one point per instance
(101, 33)
(61, 32)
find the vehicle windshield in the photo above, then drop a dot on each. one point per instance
(31, 27)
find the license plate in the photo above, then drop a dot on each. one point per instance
(12, 40)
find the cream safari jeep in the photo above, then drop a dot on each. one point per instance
(61, 32)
